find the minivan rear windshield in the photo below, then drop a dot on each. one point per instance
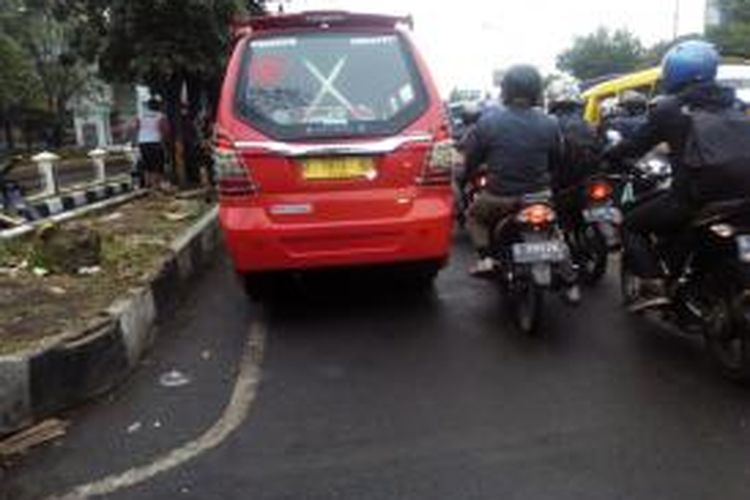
(316, 85)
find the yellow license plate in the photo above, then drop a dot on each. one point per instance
(316, 169)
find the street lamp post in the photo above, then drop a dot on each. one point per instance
(676, 25)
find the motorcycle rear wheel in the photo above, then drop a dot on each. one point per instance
(629, 284)
(526, 307)
(592, 255)
(727, 335)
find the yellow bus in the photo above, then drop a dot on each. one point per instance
(641, 81)
(734, 74)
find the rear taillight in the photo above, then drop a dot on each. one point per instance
(232, 177)
(438, 169)
(482, 181)
(536, 215)
(600, 191)
(439, 165)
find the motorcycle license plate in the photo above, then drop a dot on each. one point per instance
(603, 214)
(743, 247)
(540, 251)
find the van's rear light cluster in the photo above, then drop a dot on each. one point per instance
(439, 168)
(232, 177)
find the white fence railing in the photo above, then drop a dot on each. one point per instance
(48, 166)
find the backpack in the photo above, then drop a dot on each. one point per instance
(581, 150)
(716, 157)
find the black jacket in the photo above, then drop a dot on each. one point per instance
(519, 146)
(669, 122)
(627, 125)
(580, 152)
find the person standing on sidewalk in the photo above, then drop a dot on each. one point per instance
(153, 130)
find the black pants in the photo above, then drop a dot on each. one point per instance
(665, 216)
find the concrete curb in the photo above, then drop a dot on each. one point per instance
(42, 382)
(77, 198)
(15, 232)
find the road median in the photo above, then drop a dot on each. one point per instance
(70, 332)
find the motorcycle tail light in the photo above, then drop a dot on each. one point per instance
(723, 230)
(600, 191)
(536, 215)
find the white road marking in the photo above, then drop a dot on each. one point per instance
(243, 395)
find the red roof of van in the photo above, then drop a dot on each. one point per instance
(321, 18)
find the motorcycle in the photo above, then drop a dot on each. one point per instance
(468, 193)
(594, 233)
(530, 250)
(707, 274)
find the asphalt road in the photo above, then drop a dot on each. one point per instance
(369, 391)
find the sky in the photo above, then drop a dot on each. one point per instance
(464, 42)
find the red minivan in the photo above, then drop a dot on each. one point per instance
(332, 148)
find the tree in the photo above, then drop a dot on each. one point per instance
(170, 45)
(732, 34)
(654, 54)
(18, 84)
(601, 53)
(45, 39)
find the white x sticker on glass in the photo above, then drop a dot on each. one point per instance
(327, 87)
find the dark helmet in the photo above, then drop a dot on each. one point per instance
(633, 102)
(522, 84)
(689, 62)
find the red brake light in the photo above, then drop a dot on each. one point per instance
(439, 166)
(600, 191)
(536, 215)
(232, 177)
(441, 158)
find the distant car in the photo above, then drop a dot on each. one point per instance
(332, 148)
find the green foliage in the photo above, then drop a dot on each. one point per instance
(18, 82)
(47, 71)
(732, 35)
(654, 54)
(601, 53)
(154, 40)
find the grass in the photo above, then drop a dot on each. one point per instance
(134, 245)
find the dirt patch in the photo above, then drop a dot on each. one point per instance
(36, 303)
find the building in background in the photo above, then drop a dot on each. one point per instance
(91, 116)
(713, 13)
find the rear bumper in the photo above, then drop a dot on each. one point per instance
(257, 244)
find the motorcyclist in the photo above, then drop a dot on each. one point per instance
(519, 144)
(633, 108)
(689, 78)
(581, 150)
(470, 114)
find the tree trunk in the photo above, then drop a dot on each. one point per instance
(10, 141)
(58, 129)
(172, 101)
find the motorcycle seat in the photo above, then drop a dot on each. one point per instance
(720, 209)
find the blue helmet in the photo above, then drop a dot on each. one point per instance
(689, 62)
